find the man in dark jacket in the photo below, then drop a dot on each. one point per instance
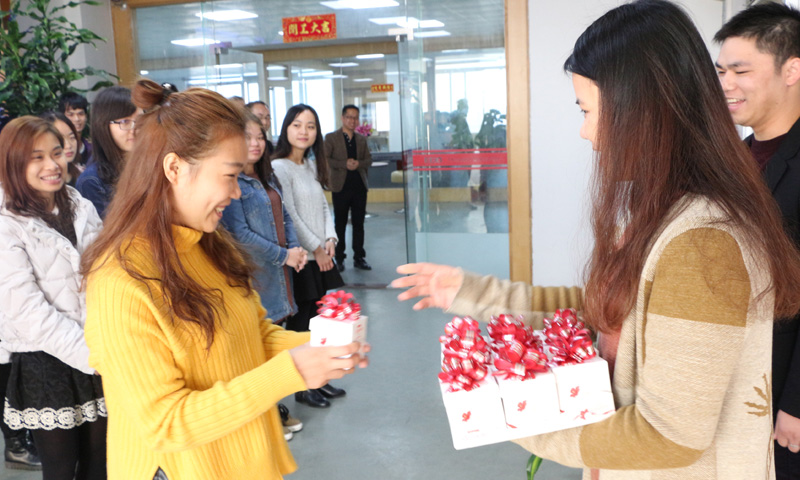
(759, 67)
(349, 160)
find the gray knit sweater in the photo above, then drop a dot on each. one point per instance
(306, 203)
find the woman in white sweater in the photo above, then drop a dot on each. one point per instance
(45, 226)
(301, 167)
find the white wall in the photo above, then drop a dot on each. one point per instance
(560, 160)
(97, 19)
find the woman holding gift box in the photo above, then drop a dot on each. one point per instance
(192, 367)
(690, 263)
(300, 165)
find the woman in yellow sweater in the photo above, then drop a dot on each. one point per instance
(192, 367)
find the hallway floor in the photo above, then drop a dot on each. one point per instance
(391, 425)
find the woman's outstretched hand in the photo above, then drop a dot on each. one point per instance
(436, 284)
(318, 365)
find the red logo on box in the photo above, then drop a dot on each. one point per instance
(312, 27)
(574, 392)
(465, 416)
(323, 341)
(521, 405)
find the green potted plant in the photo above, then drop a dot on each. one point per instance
(33, 60)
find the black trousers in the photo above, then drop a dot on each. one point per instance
(352, 199)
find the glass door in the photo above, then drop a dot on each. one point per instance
(454, 152)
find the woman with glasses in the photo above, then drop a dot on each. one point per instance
(113, 121)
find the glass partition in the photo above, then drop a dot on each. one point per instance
(428, 76)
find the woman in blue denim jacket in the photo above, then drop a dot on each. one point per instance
(264, 228)
(258, 221)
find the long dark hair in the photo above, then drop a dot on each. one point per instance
(263, 167)
(664, 131)
(284, 148)
(72, 167)
(191, 124)
(17, 141)
(111, 103)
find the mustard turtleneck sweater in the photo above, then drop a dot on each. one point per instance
(173, 405)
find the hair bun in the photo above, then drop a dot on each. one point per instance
(148, 94)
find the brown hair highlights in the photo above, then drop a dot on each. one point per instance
(665, 132)
(16, 147)
(190, 124)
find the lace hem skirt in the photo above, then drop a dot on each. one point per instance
(45, 393)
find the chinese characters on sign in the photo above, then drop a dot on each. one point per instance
(380, 88)
(313, 27)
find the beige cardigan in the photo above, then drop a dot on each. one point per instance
(693, 370)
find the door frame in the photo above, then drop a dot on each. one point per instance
(518, 108)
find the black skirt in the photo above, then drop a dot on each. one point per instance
(46, 393)
(311, 283)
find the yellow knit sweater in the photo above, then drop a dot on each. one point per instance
(196, 414)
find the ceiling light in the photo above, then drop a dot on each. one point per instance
(336, 76)
(143, 72)
(343, 65)
(275, 67)
(407, 22)
(468, 65)
(280, 33)
(277, 79)
(360, 80)
(227, 15)
(369, 56)
(435, 33)
(194, 42)
(431, 24)
(321, 73)
(229, 65)
(359, 4)
(388, 20)
(456, 50)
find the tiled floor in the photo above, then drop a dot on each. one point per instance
(392, 424)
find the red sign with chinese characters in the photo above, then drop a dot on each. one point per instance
(313, 27)
(386, 87)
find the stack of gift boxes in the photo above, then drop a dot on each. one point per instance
(521, 382)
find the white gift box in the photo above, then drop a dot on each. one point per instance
(335, 333)
(530, 403)
(476, 416)
(584, 392)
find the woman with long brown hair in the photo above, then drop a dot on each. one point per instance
(193, 367)
(689, 268)
(302, 168)
(45, 226)
(72, 152)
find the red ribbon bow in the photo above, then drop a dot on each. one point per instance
(569, 340)
(466, 355)
(340, 306)
(517, 352)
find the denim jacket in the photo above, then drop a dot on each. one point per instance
(252, 224)
(95, 189)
